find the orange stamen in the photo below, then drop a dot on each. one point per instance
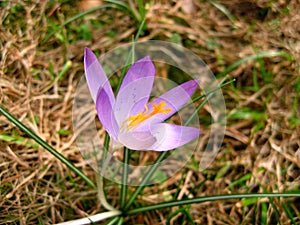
(135, 120)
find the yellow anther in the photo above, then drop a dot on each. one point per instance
(135, 120)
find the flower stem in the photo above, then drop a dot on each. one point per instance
(145, 180)
(101, 194)
(99, 179)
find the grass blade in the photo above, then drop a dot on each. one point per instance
(18, 140)
(256, 56)
(124, 177)
(76, 17)
(129, 7)
(112, 221)
(288, 213)
(264, 213)
(45, 145)
(209, 199)
(224, 11)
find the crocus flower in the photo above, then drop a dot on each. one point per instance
(129, 119)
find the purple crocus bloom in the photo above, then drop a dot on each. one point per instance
(129, 119)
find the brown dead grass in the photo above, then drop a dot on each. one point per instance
(36, 188)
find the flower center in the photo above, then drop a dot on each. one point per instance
(135, 120)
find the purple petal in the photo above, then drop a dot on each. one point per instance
(175, 99)
(95, 76)
(105, 114)
(140, 69)
(132, 99)
(137, 140)
(135, 89)
(170, 136)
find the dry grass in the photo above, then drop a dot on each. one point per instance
(262, 138)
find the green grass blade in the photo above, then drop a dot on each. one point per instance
(106, 147)
(224, 11)
(208, 96)
(65, 69)
(222, 84)
(121, 4)
(275, 210)
(45, 145)
(142, 8)
(183, 211)
(60, 75)
(240, 181)
(124, 177)
(18, 140)
(209, 199)
(255, 57)
(134, 11)
(76, 17)
(128, 7)
(288, 213)
(264, 214)
(112, 221)
(276, 213)
(121, 220)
